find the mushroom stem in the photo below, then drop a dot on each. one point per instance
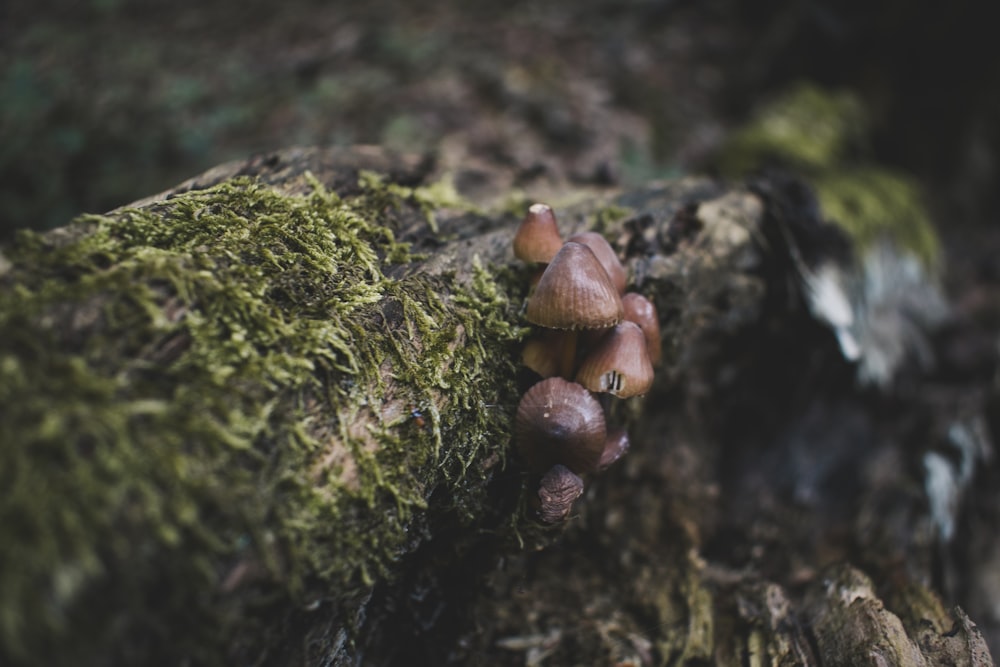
(566, 361)
(604, 399)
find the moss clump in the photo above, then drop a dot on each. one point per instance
(608, 216)
(872, 204)
(820, 134)
(429, 198)
(208, 405)
(805, 127)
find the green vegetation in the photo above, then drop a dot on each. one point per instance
(872, 203)
(208, 403)
(822, 136)
(805, 127)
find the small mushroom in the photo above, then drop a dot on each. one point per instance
(641, 310)
(557, 490)
(615, 447)
(619, 365)
(574, 293)
(605, 255)
(542, 353)
(537, 239)
(560, 422)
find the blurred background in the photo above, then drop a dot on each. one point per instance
(106, 101)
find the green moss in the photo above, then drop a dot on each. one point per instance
(207, 404)
(872, 203)
(429, 198)
(805, 127)
(814, 132)
(514, 203)
(608, 216)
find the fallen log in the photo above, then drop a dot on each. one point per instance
(265, 418)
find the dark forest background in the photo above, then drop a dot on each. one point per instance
(106, 101)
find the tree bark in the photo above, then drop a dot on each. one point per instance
(225, 447)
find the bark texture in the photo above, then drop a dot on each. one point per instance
(270, 412)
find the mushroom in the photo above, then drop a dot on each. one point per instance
(614, 447)
(560, 422)
(560, 428)
(605, 255)
(537, 239)
(619, 365)
(541, 353)
(558, 488)
(641, 310)
(574, 293)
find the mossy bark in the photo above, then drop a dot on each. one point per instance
(265, 419)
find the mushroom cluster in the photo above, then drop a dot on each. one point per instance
(594, 341)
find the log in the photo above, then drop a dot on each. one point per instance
(265, 418)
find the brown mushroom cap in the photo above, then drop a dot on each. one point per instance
(560, 422)
(614, 447)
(537, 239)
(619, 365)
(575, 292)
(557, 490)
(641, 310)
(605, 255)
(542, 353)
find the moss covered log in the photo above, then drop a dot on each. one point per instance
(209, 410)
(264, 418)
